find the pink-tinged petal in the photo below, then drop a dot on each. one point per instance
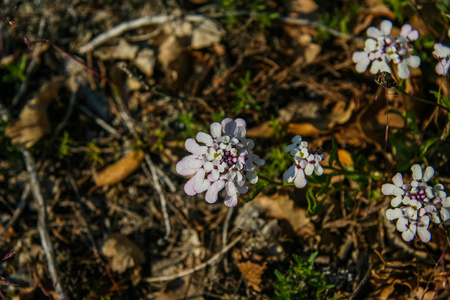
(396, 201)
(216, 129)
(386, 27)
(402, 224)
(230, 188)
(231, 201)
(256, 159)
(429, 172)
(403, 70)
(390, 189)
(290, 174)
(413, 61)
(204, 138)
(192, 146)
(424, 234)
(393, 214)
(405, 30)
(417, 172)
(201, 184)
(300, 180)
(398, 179)
(195, 163)
(213, 191)
(189, 187)
(309, 169)
(408, 235)
(413, 35)
(182, 169)
(374, 32)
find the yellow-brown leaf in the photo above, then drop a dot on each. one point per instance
(252, 272)
(119, 170)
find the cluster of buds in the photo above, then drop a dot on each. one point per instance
(416, 203)
(224, 161)
(305, 163)
(381, 50)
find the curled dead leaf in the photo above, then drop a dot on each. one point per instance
(33, 120)
(119, 170)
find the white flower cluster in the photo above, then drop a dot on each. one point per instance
(305, 163)
(381, 50)
(416, 203)
(224, 161)
(442, 54)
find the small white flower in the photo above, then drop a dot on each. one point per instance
(442, 54)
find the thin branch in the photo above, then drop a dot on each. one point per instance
(162, 197)
(156, 20)
(19, 209)
(42, 225)
(97, 120)
(196, 268)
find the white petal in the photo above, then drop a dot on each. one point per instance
(398, 180)
(289, 175)
(445, 214)
(424, 234)
(204, 138)
(216, 129)
(309, 169)
(392, 214)
(230, 188)
(413, 61)
(252, 177)
(442, 67)
(370, 45)
(213, 191)
(318, 170)
(441, 50)
(379, 66)
(231, 201)
(386, 27)
(189, 187)
(402, 224)
(390, 189)
(362, 64)
(374, 32)
(429, 172)
(300, 181)
(403, 70)
(396, 201)
(446, 202)
(417, 172)
(408, 235)
(405, 30)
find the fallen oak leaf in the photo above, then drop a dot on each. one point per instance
(119, 170)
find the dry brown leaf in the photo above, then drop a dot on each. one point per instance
(304, 129)
(252, 272)
(119, 170)
(206, 33)
(341, 113)
(302, 6)
(33, 120)
(122, 51)
(282, 207)
(261, 131)
(145, 61)
(123, 252)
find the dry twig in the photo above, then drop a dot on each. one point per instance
(42, 225)
(196, 268)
